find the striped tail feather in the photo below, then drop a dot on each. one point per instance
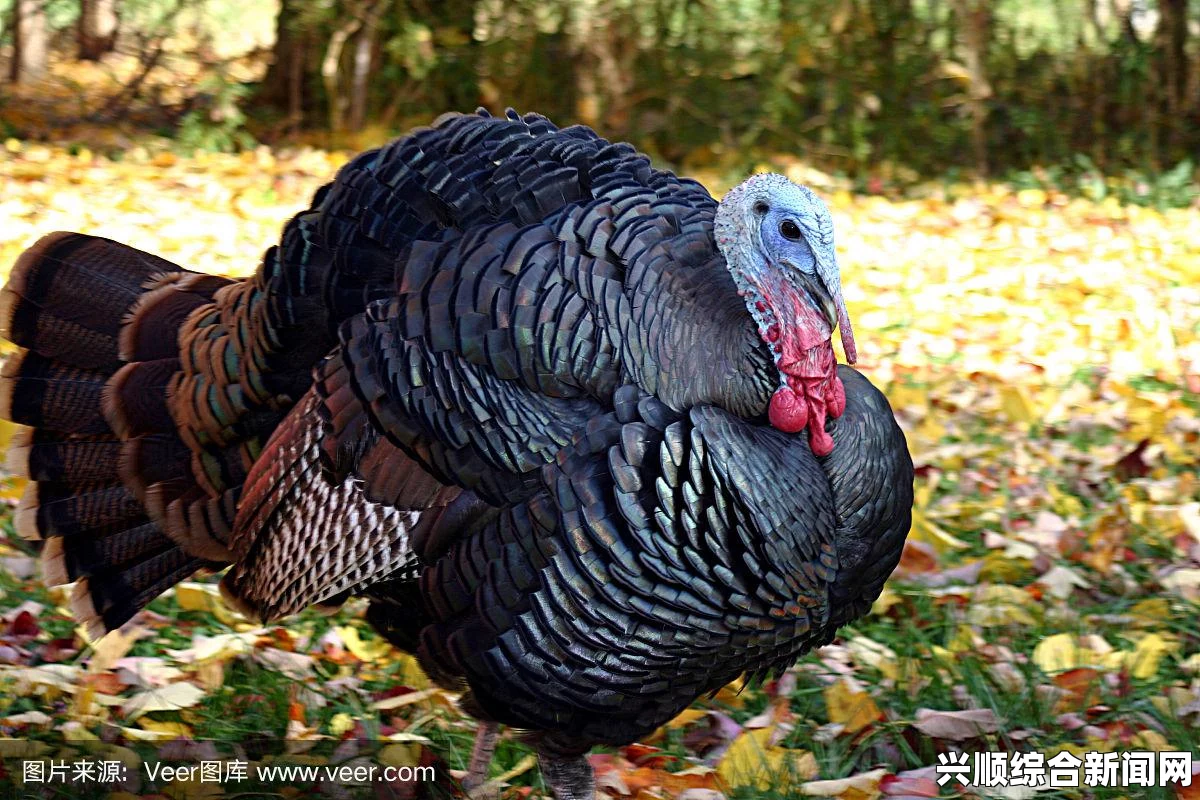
(69, 303)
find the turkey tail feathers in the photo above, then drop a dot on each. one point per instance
(66, 303)
(68, 294)
(302, 540)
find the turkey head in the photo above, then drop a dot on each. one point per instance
(777, 239)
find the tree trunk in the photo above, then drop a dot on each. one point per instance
(287, 87)
(97, 28)
(974, 20)
(604, 65)
(363, 50)
(29, 40)
(1172, 35)
(1124, 11)
(330, 69)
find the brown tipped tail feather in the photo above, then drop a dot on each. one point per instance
(70, 303)
(144, 388)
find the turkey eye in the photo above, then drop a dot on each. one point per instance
(790, 230)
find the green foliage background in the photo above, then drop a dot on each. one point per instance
(890, 89)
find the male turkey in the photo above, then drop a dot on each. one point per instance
(540, 402)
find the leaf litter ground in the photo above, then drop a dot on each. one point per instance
(1043, 356)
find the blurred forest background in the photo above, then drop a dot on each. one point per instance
(883, 92)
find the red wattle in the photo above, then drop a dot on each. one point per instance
(835, 398)
(820, 442)
(787, 412)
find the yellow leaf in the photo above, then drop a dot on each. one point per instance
(408, 672)
(142, 735)
(169, 698)
(871, 653)
(852, 709)
(74, 731)
(887, 599)
(363, 651)
(864, 786)
(1011, 565)
(1144, 660)
(81, 706)
(223, 646)
(400, 754)
(1152, 611)
(206, 598)
(1057, 653)
(112, 647)
(1189, 515)
(520, 768)
(1150, 740)
(1031, 197)
(1176, 698)
(751, 761)
(193, 596)
(7, 429)
(340, 723)
(1065, 504)
(12, 489)
(731, 693)
(389, 703)
(925, 530)
(1185, 583)
(998, 604)
(1017, 404)
(687, 717)
(965, 639)
(174, 730)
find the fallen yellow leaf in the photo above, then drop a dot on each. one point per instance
(1057, 653)
(340, 723)
(1017, 404)
(362, 650)
(751, 760)
(169, 698)
(687, 717)
(1144, 660)
(864, 786)
(852, 709)
(167, 728)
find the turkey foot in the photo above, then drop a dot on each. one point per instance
(570, 778)
(481, 756)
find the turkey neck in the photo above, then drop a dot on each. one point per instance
(707, 345)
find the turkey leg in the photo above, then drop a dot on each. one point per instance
(570, 778)
(481, 755)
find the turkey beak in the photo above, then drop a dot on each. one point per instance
(834, 304)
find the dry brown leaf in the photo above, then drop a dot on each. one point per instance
(174, 697)
(957, 726)
(408, 699)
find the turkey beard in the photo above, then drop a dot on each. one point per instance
(811, 390)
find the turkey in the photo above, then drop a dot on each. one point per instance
(575, 429)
